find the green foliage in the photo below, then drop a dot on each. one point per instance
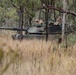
(11, 13)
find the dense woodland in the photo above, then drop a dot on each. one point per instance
(23, 12)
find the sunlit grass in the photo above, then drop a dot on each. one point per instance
(38, 57)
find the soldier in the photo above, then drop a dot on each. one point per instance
(39, 21)
(58, 21)
(39, 24)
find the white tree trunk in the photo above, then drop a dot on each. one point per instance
(63, 20)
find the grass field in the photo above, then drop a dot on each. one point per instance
(36, 57)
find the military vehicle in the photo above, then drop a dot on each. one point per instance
(37, 31)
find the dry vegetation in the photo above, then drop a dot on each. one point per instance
(36, 57)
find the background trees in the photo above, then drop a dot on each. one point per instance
(22, 11)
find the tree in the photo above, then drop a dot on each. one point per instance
(24, 6)
(63, 20)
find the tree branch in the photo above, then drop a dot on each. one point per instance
(59, 9)
(14, 5)
(45, 6)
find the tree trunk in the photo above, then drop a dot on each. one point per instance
(30, 19)
(21, 18)
(54, 10)
(46, 20)
(63, 20)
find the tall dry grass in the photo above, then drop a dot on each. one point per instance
(38, 57)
